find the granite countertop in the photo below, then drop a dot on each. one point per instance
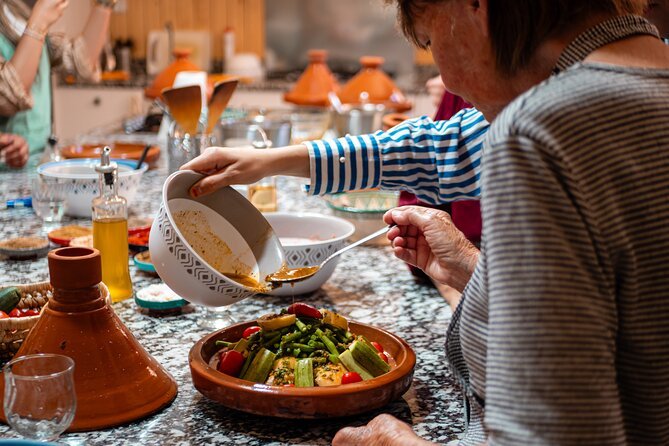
(369, 286)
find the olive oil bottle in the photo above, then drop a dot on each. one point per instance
(110, 230)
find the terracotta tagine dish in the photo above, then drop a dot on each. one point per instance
(165, 79)
(371, 85)
(315, 83)
(115, 379)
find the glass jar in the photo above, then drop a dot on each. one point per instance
(183, 147)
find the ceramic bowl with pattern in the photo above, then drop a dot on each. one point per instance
(308, 239)
(81, 181)
(193, 240)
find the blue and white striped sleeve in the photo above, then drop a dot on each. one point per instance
(438, 161)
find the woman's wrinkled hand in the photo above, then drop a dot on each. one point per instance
(428, 239)
(14, 150)
(46, 12)
(227, 166)
(384, 430)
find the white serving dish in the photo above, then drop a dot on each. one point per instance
(81, 179)
(234, 220)
(307, 240)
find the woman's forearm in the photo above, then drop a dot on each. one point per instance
(26, 60)
(95, 32)
(290, 161)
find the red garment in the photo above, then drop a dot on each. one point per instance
(466, 214)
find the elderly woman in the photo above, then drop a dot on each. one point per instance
(561, 334)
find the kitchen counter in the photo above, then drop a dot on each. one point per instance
(369, 285)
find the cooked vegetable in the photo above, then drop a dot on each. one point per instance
(241, 345)
(377, 346)
(250, 330)
(368, 357)
(350, 378)
(15, 313)
(304, 373)
(231, 362)
(271, 322)
(283, 372)
(384, 357)
(334, 319)
(9, 299)
(3, 315)
(329, 375)
(346, 358)
(302, 309)
(260, 366)
(328, 342)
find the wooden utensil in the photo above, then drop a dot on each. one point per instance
(219, 100)
(185, 104)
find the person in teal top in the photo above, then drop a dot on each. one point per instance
(28, 52)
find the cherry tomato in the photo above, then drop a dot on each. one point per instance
(350, 378)
(378, 346)
(3, 315)
(384, 357)
(302, 309)
(231, 362)
(15, 313)
(249, 331)
(289, 385)
(30, 312)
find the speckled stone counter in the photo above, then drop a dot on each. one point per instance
(369, 285)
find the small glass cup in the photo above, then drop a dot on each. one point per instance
(49, 200)
(215, 318)
(40, 400)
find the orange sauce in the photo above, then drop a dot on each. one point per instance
(292, 274)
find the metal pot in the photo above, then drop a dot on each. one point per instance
(359, 119)
(253, 131)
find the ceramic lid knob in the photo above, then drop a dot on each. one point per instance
(317, 56)
(371, 61)
(75, 268)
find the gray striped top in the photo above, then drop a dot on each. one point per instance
(564, 326)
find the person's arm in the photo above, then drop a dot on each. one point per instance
(438, 161)
(552, 328)
(95, 32)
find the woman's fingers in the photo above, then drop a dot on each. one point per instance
(212, 159)
(210, 184)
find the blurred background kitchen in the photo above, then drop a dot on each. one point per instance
(264, 42)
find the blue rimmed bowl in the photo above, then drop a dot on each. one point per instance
(81, 181)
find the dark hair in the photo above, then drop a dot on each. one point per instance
(518, 27)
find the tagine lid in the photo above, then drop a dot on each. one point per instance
(165, 79)
(315, 83)
(116, 380)
(371, 85)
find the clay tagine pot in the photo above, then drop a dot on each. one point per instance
(372, 85)
(313, 86)
(115, 379)
(165, 79)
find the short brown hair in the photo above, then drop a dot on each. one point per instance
(518, 27)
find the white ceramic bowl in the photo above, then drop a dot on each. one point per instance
(234, 221)
(81, 179)
(308, 239)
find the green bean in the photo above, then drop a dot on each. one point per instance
(224, 344)
(334, 359)
(296, 352)
(301, 325)
(328, 343)
(293, 337)
(304, 348)
(320, 360)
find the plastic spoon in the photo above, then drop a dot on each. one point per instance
(292, 275)
(219, 100)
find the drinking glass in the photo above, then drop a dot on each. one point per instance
(215, 318)
(39, 395)
(49, 199)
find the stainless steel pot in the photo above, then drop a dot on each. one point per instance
(253, 130)
(359, 119)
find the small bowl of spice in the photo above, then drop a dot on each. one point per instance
(159, 299)
(24, 247)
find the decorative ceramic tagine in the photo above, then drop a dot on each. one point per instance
(372, 86)
(165, 79)
(316, 82)
(115, 379)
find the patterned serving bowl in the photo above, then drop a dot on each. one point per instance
(80, 180)
(308, 239)
(224, 227)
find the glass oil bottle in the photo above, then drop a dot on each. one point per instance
(110, 230)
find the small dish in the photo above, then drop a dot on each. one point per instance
(307, 402)
(85, 241)
(139, 224)
(63, 236)
(143, 262)
(138, 241)
(120, 150)
(24, 247)
(158, 297)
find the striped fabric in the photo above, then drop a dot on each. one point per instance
(565, 324)
(437, 161)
